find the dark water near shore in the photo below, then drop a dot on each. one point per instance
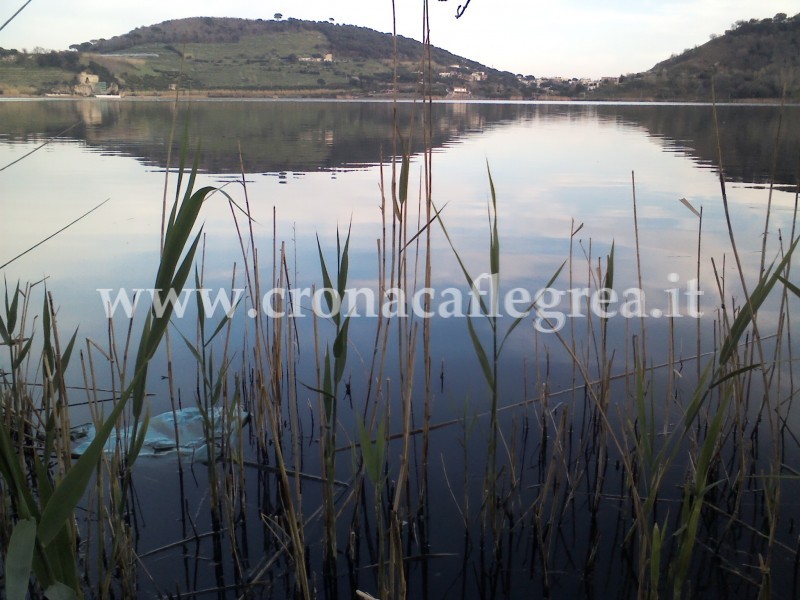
(312, 166)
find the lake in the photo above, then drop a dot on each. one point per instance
(567, 177)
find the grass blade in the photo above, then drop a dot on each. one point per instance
(19, 559)
(482, 356)
(757, 298)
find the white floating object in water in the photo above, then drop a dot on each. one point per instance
(160, 438)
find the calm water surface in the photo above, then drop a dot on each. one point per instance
(316, 165)
(310, 167)
(313, 166)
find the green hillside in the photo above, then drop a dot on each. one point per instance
(30, 74)
(240, 56)
(752, 60)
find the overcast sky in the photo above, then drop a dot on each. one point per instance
(576, 38)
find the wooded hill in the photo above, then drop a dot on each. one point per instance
(205, 53)
(752, 60)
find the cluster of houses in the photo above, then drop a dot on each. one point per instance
(457, 72)
(460, 79)
(565, 85)
(328, 58)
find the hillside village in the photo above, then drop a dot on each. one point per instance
(96, 76)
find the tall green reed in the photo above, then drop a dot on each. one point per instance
(46, 516)
(489, 356)
(333, 369)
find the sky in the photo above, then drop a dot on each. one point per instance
(575, 38)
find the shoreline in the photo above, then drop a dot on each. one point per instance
(340, 95)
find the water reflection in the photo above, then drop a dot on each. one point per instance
(747, 136)
(302, 136)
(272, 136)
(551, 163)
